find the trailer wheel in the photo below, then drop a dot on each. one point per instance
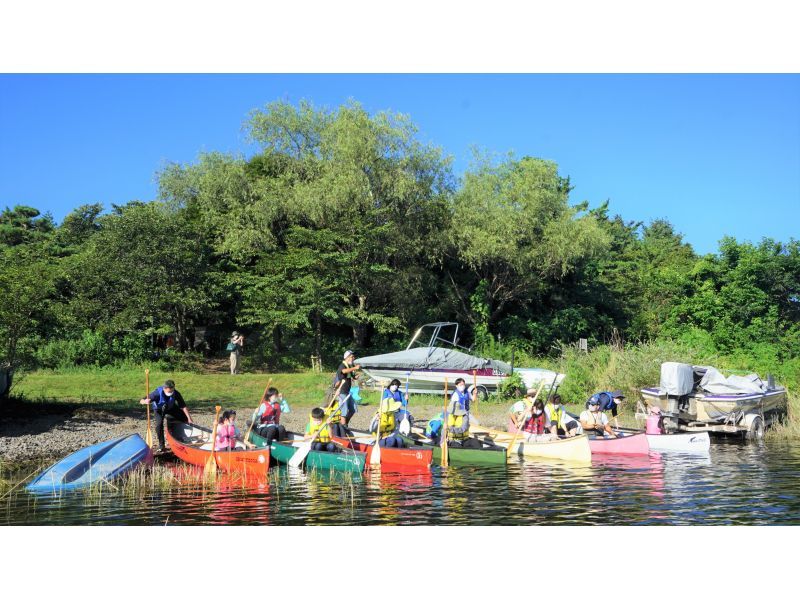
(756, 430)
(483, 393)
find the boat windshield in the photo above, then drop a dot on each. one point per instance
(436, 334)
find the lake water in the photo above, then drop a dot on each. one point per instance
(737, 483)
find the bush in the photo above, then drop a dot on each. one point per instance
(510, 389)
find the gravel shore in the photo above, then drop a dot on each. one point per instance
(38, 431)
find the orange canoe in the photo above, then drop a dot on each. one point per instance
(192, 445)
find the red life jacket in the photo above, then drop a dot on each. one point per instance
(272, 414)
(536, 424)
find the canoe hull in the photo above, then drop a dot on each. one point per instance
(693, 442)
(191, 444)
(351, 461)
(633, 444)
(574, 449)
(409, 457)
(100, 462)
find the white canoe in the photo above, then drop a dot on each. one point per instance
(691, 442)
(574, 449)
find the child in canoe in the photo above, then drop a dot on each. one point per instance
(392, 392)
(317, 423)
(387, 418)
(226, 431)
(268, 417)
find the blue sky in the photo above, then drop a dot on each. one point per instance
(714, 154)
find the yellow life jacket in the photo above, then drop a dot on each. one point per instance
(388, 422)
(324, 435)
(557, 415)
(336, 418)
(456, 421)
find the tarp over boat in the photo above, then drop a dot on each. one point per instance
(433, 358)
(716, 383)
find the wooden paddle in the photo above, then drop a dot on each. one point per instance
(375, 455)
(519, 426)
(445, 454)
(405, 425)
(302, 452)
(263, 398)
(149, 435)
(211, 463)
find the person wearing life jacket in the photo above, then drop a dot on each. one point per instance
(167, 403)
(461, 396)
(336, 424)
(226, 431)
(561, 422)
(458, 428)
(654, 423)
(268, 417)
(389, 423)
(594, 419)
(433, 429)
(347, 372)
(610, 400)
(523, 406)
(316, 422)
(393, 393)
(536, 421)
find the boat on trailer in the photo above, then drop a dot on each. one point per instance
(433, 355)
(701, 399)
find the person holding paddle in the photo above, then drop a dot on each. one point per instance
(268, 417)
(594, 419)
(317, 423)
(461, 395)
(561, 422)
(167, 403)
(392, 392)
(458, 428)
(389, 421)
(345, 375)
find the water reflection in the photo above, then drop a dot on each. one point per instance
(736, 483)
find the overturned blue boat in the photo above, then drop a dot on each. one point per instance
(100, 462)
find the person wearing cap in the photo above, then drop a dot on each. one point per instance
(235, 347)
(458, 420)
(654, 423)
(609, 401)
(347, 372)
(594, 419)
(389, 423)
(167, 403)
(561, 422)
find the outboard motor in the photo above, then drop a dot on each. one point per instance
(677, 383)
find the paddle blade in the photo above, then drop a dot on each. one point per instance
(210, 470)
(300, 455)
(375, 455)
(405, 427)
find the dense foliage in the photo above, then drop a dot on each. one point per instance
(345, 229)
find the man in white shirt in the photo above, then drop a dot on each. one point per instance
(594, 419)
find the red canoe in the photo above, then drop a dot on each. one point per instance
(416, 457)
(191, 444)
(632, 444)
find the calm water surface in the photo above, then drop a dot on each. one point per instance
(736, 484)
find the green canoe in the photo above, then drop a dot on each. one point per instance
(321, 460)
(489, 455)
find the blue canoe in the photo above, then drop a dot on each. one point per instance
(99, 462)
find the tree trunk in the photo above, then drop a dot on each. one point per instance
(360, 329)
(317, 333)
(277, 339)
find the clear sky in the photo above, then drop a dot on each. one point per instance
(714, 154)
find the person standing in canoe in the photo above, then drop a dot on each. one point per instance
(268, 417)
(167, 403)
(393, 393)
(458, 428)
(461, 395)
(387, 418)
(235, 347)
(316, 422)
(347, 372)
(594, 419)
(610, 400)
(561, 422)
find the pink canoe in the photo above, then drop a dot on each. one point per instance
(632, 444)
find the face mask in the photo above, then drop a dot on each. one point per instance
(537, 411)
(617, 401)
(461, 388)
(393, 388)
(592, 407)
(169, 393)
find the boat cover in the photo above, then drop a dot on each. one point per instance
(436, 358)
(677, 379)
(716, 383)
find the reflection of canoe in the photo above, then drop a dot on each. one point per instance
(632, 444)
(567, 449)
(694, 442)
(416, 457)
(192, 445)
(490, 454)
(99, 462)
(321, 460)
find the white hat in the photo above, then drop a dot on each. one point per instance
(347, 354)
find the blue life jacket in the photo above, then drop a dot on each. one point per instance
(433, 428)
(463, 398)
(396, 395)
(606, 401)
(163, 402)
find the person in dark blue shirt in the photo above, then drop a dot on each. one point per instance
(167, 403)
(610, 400)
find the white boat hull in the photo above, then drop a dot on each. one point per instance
(432, 381)
(693, 442)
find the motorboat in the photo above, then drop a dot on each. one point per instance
(699, 398)
(433, 356)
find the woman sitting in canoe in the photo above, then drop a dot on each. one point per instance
(389, 422)
(268, 417)
(458, 428)
(561, 422)
(226, 431)
(317, 423)
(524, 405)
(393, 393)
(594, 419)
(534, 421)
